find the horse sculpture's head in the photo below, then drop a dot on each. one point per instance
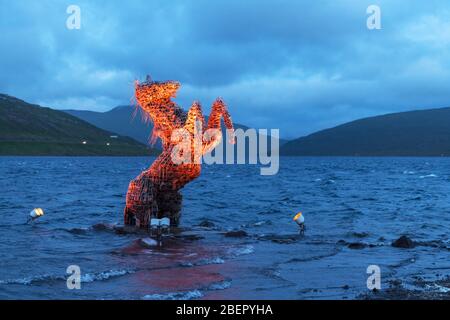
(150, 92)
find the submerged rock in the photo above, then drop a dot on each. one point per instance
(125, 229)
(190, 237)
(422, 290)
(101, 227)
(285, 240)
(432, 243)
(403, 242)
(77, 231)
(236, 234)
(206, 224)
(359, 234)
(282, 239)
(356, 245)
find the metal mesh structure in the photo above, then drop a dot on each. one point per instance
(155, 192)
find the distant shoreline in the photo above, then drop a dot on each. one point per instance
(155, 155)
(365, 156)
(75, 156)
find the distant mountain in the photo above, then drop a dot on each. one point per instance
(412, 133)
(126, 121)
(27, 129)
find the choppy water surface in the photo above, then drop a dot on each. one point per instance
(368, 201)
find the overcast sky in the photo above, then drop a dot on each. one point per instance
(299, 66)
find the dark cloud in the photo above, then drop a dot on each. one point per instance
(294, 65)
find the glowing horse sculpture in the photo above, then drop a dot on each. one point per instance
(155, 192)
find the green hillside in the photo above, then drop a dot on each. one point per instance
(412, 133)
(27, 129)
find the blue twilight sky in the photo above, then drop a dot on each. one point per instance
(295, 65)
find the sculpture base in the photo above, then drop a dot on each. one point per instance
(145, 200)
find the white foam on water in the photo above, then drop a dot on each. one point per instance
(216, 260)
(88, 277)
(220, 285)
(259, 223)
(91, 277)
(432, 175)
(29, 280)
(193, 254)
(436, 287)
(239, 251)
(187, 295)
(186, 264)
(203, 262)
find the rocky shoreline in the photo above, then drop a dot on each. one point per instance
(422, 290)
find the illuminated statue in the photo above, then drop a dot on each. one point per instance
(155, 192)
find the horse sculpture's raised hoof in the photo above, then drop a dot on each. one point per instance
(155, 192)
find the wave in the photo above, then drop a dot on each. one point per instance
(85, 278)
(216, 260)
(222, 285)
(432, 175)
(203, 262)
(76, 231)
(91, 277)
(438, 288)
(239, 251)
(32, 279)
(187, 295)
(261, 223)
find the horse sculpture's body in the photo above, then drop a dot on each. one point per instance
(155, 192)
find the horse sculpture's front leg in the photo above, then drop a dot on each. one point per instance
(214, 133)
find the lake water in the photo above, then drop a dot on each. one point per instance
(368, 201)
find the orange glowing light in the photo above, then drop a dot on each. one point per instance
(298, 215)
(154, 193)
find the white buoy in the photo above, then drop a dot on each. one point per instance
(36, 213)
